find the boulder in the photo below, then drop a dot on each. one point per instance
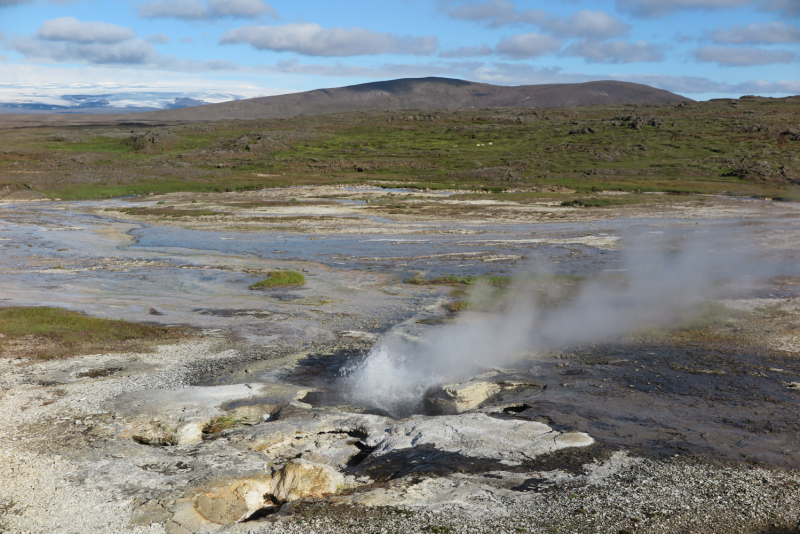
(453, 399)
(301, 479)
(190, 433)
(154, 433)
(238, 501)
(169, 432)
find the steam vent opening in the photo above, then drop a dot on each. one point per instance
(343, 382)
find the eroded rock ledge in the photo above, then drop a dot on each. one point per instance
(310, 453)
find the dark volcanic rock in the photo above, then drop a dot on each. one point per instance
(149, 141)
(581, 131)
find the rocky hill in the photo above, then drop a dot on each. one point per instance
(428, 94)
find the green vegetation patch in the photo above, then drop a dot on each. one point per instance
(222, 422)
(496, 281)
(459, 305)
(739, 147)
(281, 279)
(53, 333)
(169, 212)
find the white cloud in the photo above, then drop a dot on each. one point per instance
(758, 33)
(133, 52)
(195, 10)
(789, 8)
(384, 71)
(241, 8)
(657, 8)
(70, 41)
(468, 51)
(313, 40)
(174, 64)
(615, 51)
(67, 39)
(741, 57)
(587, 24)
(169, 9)
(493, 13)
(159, 38)
(696, 84)
(527, 45)
(72, 30)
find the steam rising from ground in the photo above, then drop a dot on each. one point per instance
(657, 284)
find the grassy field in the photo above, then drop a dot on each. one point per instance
(280, 279)
(53, 333)
(741, 147)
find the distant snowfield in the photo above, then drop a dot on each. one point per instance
(17, 98)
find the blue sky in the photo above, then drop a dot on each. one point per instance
(217, 49)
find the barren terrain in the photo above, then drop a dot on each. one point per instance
(475, 321)
(246, 424)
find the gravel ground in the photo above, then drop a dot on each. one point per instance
(640, 496)
(49, 493)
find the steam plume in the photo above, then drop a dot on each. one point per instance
(658, 282)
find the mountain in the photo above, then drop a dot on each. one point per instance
(427, 94)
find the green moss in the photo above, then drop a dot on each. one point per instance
(222, 422)
(280, 279)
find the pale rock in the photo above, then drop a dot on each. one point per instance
(237, 501)
(313, 431)
(301, 479)
(453, 399)
(150, 433)
(190, 433)
(255, 413)
(475, 435)
(183, 404)
(574, 439)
